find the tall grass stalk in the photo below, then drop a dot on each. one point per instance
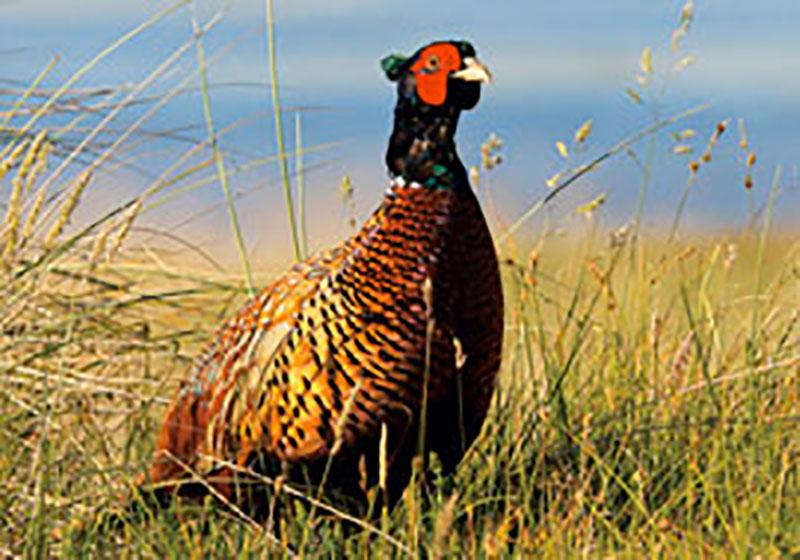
(687, 188)
(278, 122)
(762, 247)
(301, 184)
(20, 102)
(219, 159)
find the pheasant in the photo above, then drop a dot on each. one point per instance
(395, 333)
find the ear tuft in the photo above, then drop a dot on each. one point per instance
(393, 66)
(465, 48)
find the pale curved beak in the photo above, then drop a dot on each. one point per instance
(474, 71)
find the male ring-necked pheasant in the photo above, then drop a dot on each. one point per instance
(408, 311)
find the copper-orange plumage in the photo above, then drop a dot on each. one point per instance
(307, 373)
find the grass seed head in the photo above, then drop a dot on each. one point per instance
(620, 236)
(32, 155)
(732, 255)
(722, 126)
(646, 61)
(11, 160)
(533, 261)
(444, 522)
(583, 132)
(684, 63)
(11, 224)
(561, 147)
(553, 180)
(677, 37)
(687, 13)
(474, 176)
(744, 140)
(346, 188)
(490, 158)
(68, 208)
(124, 228)
(39, 165)
(592, 206)
(99, 246)
(634, 95)
(38, 202)
(680, 361)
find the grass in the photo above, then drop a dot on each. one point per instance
(648, 402)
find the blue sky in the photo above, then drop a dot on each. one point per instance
(556, 65)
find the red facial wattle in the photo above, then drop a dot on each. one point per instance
(432, 70)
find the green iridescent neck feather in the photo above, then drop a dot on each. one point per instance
(422, 147)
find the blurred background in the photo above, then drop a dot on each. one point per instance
(557, 64)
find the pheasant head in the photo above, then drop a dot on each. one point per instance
(434, 86)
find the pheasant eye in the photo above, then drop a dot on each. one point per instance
(432, 63)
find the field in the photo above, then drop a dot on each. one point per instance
(648, 405)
